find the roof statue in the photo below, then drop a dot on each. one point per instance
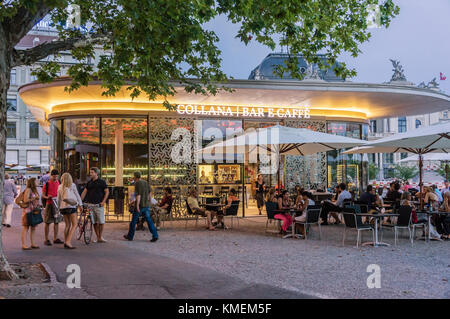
(312, 73)
(433, 84)
(422, 85)
(398, 75)
(258, 75)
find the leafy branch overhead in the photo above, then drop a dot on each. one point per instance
(154, 45)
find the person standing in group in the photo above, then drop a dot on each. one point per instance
(50, 191)
(260, 189)
(141, 206)
(30, 197)
(68, 202)
(96, 193)
(9, 193)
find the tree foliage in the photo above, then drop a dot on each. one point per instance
(405, 173)
(373, 171)
(153, 43)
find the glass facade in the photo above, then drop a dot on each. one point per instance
(118, 146)
(351, 169)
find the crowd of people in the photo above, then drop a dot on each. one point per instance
(433, 198)
(60, 201)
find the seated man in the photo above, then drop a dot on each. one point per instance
(164, 206)
(370, 198)
(335, 206)
(231, 198)
(196, 209)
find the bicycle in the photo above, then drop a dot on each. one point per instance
(84, 227)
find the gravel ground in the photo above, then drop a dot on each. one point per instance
(321, 268)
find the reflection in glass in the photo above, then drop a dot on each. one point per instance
(124, 149)
(81, 147)
(343, 168)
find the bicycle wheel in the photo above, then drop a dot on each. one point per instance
(80, 226)
(87, 230)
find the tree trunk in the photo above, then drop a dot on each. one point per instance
(6, 272)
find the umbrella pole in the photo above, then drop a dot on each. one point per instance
(446, 171)
(420, 180)
(279, 173)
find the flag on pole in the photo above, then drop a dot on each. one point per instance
(443, 77)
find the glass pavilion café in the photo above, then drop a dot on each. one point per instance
(120, 135)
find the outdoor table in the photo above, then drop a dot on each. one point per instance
(429, 214)
(292, 212)
(376, 216)
(213, 197)
(215, 207)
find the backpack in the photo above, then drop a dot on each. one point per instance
(43, 200)
(20, 200)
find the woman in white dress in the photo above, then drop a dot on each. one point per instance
(68, 201)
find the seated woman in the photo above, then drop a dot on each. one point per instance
(303, 207)
(299, 196)
(271, 196)
(284, 202)
(231, 198)
(443, 221)
(431, 198)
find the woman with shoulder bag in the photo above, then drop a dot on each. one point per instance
(31, 197)
(68, 201)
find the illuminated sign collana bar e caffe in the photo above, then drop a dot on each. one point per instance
(243, 111)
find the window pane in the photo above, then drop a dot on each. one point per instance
(33, 157)
(124, 149)
(11, 130)
(34, 130)
(13, 77)
(401, 124)
(57, 141)
(344, 168)
(11, 105)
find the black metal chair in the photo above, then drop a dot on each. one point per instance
(232, 211)
(312, 217)
(270, 210)
(404, 221)
(353, 221)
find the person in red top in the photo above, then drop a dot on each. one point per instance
(50, 191)
(165, 205)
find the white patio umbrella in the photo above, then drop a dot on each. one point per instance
(17, 168)
(442, 157)
(430, 139)
(282, 140)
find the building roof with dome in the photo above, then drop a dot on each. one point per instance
(265, 70)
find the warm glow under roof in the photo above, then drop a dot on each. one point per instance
(325, 99)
